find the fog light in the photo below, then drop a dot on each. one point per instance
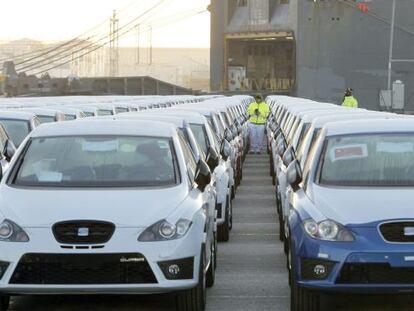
(174, 270)
(180, 269)
(319, 270)
(316, 269)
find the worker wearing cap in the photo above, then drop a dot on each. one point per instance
(258, 112)
(349, 100)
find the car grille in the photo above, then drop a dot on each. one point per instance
(374, 273)
(83, 232)
(397, 232)
(78, 269)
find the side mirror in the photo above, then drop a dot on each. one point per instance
(225, 150)
(213, 159)
(294, 175)
(9, 150)
(288, 156)
(202, 175)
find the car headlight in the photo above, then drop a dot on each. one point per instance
(165, 231)
(11, 232)
(328, 230)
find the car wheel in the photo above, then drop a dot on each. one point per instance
(194, 299)
(230, 203)
(223, 230)
(211, 272)
(281, 229)
(4, 302)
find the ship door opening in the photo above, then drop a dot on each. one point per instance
(260, 63)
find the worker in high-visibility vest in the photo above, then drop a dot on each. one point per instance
(258, 112)
(349, 100)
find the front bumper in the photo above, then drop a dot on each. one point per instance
(123, 242)
(367, 265)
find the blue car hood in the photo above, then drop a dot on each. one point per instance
(358, 206)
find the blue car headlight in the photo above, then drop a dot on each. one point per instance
(165, 231)
(327, 230)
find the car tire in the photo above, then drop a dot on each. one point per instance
(281, 229)
(194, 299)
(211, 271)
(223, 230)
(4, 302)
(230, 203)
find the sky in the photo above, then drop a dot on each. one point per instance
(56, 20)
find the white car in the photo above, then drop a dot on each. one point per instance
(106, 206)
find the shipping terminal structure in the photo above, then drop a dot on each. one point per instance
(315, 49)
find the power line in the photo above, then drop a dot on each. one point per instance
(124, 33)
(35, 64)
(62, 45)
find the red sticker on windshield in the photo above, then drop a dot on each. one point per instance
(349, 152)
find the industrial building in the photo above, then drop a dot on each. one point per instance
(313, 48)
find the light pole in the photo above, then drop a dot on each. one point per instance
(390, 59)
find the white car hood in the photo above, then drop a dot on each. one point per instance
(129, 208)
(352, 206)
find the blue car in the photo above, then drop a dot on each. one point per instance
(351, 220)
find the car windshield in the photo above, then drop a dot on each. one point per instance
(121, 110)
(69, 117)
(97, 161)
(368, 160)
(102, 112)
(200, 136)
(46, 119)
(17, 129)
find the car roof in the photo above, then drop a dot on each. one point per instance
(321, 121)
(106, 127)
(19, 115)
(176, 120)
(41, 111)
(188, 115)
(381, 125)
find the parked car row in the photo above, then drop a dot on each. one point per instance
(129, 202)
(344, 180)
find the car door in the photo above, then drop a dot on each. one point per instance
(207, 197)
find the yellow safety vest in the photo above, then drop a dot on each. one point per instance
(350, 102)
(264, 111)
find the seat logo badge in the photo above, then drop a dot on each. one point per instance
(126, 260)
(82, 232)
(409, 231)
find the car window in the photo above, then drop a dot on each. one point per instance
(102, 112)
(309, 160)
(201, 136)
(16, 129)
(46, 119)
(121, 109)
(69, 117)
(3, 138)
(368, 160)
(97, 161)
(302, 144)
(214, 137)
(189, 158)
(88, 114)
